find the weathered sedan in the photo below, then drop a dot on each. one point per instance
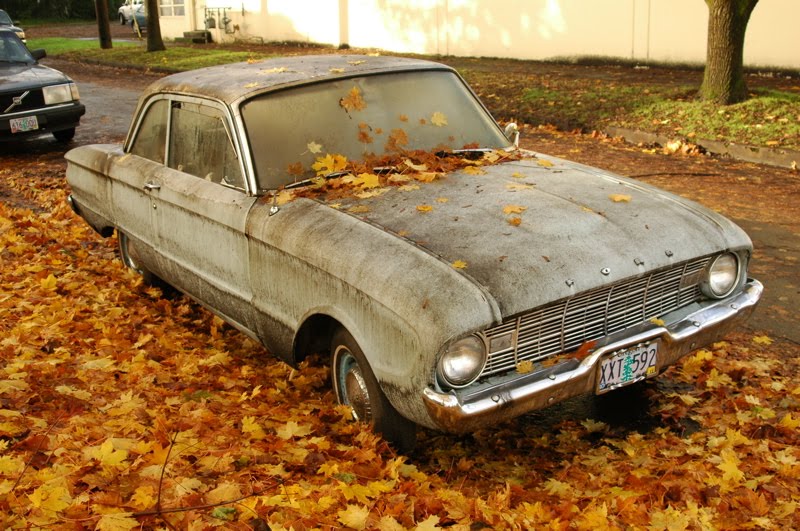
(370, 208)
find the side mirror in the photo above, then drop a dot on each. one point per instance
(512, 133)
(38, 54)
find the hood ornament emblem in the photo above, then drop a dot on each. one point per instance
(16, 101)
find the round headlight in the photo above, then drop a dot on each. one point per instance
(463, 361)
(722, 275)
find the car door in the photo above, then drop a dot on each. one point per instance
(201, 209)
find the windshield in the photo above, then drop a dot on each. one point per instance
(12, 50)
(5, 20)
(387, 114)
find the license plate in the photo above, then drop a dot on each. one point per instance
(627, 366)
(22, 125)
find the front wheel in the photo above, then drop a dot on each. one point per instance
(121, 19)
(64, 135)
(356, 386)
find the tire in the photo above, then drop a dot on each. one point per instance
(65, 135)
(130, 258)
(121, 19)
(356, 386)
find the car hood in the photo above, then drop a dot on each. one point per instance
(24, 76)
(533, 231)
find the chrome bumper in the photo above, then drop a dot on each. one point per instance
(465, 411)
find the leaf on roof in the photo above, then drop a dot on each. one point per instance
(313, 147)
(439, 119)
(620, 198)
(514, 209)
(459, 264)
(409, 187)
(353, 101)
(516, 221)
(426, 176)
(442, 200)
(517, 175)
(544, 163)
(356, 63)
(254, 84)
(336, 70)
(359, 209)
(424, 208)
(276, 70)
(519, 186)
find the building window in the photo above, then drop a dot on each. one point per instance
(171, 8)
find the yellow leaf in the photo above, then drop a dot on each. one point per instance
(353, 101)
(557, 488)
(251, 428)
(459, 264)
(762, 340)
(51, 497)
(108, 456)
(337, 71)
(525, 366)
(292, 429)
(49, 283)
(517, 175)
(117, 522)
(788, 422)
(251, 85)
(355, 63)
(718, 379)
(359, 209)
(409, 187)
(375, 192)
(657, 321)
(424, 208)
(731, 476)
(431, 523)
(544, 163)
(144, 497)
(415, 167)
(313, 147)
(426, 176)
(277, 70)
(620, 198)
(367, 180)
(388, 523)
(514, 209)
(515, 221)
(10, 465)
(354, 517)
(329, 164)
(442, 200)
(473, 170)
(438, 119)
(224, 493)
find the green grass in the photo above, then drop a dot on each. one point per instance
(55, 46)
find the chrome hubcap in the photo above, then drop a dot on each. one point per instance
(351, 387)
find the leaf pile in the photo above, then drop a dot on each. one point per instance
(120, 409)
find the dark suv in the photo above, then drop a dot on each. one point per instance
(34, 99)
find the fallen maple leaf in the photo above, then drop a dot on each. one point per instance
(544, 163)
(424, 208)
(514, 209)
(329, 164)
(762, 340)
(438, 119)
(353, 101)
(354, 516)
(524, 367)
(515, 221)
(459, 264)
(620, 198)
(313, 147)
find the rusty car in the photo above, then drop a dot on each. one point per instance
(371, 210)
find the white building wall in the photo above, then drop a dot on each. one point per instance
(654, 30)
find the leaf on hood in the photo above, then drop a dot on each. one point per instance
(516, 221)
(424, 208)
(415, 167)
(473, 170)
(313, 147)
(329, 164)
(459, 264)
(544, 163)
(519, 186)
(353, 101)
(359, 209)
(438, 119)
(514, 209)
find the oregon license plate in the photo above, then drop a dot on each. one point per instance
(627, 366)
(23, 125)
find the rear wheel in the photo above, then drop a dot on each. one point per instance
(356, 386)
(65, 135)
(130, 257)
(121, 19)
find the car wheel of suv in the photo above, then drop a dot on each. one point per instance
(121, 19)
(65, 135)
(356, 386)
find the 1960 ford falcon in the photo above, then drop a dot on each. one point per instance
(370, 208)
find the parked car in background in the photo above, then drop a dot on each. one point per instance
(34, 99)
(371, 209)
(126, 11)
(8, 24)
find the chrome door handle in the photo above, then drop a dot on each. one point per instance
(152, 186)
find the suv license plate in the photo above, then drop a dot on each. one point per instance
(627, 366)
(23, 125)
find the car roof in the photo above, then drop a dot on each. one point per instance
(232, 82)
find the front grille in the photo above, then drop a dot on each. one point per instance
(565, 325)
(34, 100)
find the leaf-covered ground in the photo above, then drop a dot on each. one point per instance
(120, 409)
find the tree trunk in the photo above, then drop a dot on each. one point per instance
(154, 41)
(103, 27)
(723, 79)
